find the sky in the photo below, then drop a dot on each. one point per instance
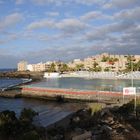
(45, 30)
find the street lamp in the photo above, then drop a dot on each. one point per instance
(132, 82)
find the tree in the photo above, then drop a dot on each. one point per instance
(107, 69)
(138, 65)
(96, 67)
(130, 63)
(105, 58)
(63, 68)
(95, 64)
(79, 67)
(52, 68)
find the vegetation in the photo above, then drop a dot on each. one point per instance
(63, 68)
(52, 68)
(111, 123)
(131, 64)
(107, 69)
(96, 67)
(22, 128)
(105, 59)
(95, 107)
(79, 67)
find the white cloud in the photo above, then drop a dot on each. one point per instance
(92, 15)
(45, 23)
(61, 2)
(71, 25)
(129, 14)
(52, 14)
(90, 2)
(121, 3)
(10, 20)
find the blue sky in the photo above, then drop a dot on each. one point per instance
(43, 30)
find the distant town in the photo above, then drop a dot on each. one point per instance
(98, 63)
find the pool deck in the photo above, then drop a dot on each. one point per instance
(72, 94)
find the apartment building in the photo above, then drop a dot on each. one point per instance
(22, 65)
(105, 61)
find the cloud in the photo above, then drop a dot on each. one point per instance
(68, 25)
(46, 2)
(61, 2)
(8, 61)
(90, 2)
(52, 14)
(19, 1)
(45, 23)
(68, 53)
(92, 15)
(129, 14)
(7, 37)
(102, 32)
(121, 3)
(71, 25)
(10, 20)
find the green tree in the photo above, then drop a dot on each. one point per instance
(130, 63)
(97, 69)
(79, 67)
(105, 58)
(52, 68)
(63, 68)
(107, 69)
(95, 64)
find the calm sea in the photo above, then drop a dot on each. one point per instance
(7, 70)
(49, 112)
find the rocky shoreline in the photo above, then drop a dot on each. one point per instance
(109, 123)
(36, 76)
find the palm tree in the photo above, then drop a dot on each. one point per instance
(79, 67)
(63, 68)
(52, 68)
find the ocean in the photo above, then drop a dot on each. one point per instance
(8, 70)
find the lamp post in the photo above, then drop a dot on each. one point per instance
(132, 82)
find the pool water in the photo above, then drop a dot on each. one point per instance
(86, 84)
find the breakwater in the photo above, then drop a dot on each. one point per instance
(69, 94)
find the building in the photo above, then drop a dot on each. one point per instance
(103, 62)
(22, 65)
(106, 61)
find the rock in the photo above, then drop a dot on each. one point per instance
(106, 128)
(104, 112)
(79, 130)
(76, 119)
(85, 136)
(58, 137)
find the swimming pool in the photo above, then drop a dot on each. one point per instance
(86, 84)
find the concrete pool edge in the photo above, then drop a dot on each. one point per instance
(70, 94)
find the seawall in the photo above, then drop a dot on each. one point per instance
(69, 94)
